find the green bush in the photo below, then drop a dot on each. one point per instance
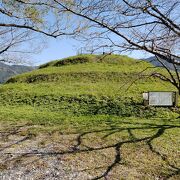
(83, 104)
(71, 60)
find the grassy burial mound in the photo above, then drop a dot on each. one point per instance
(86, 85)
(82, 118)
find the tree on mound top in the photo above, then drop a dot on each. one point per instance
(152, 26)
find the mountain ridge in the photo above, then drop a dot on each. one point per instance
(7, 71)
(153, 60)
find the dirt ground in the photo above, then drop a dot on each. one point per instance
(53, 155)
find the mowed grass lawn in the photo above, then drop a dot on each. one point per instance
(87, 147)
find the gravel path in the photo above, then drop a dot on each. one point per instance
(26, 157)
(86, 156)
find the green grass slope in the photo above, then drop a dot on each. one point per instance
(86, 84)
(84, 114)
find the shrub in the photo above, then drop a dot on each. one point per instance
(83, 104)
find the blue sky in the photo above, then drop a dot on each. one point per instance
(56, 49)
(61, 48)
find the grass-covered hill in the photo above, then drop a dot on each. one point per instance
(86, 84)
(82, 118)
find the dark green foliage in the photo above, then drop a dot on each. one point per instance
(37, 78)
(71, 60)
(88, 85)
(78, 60)
(11, 80)
(89, 58)
(46, 65)
(83, 105)
(80, 76)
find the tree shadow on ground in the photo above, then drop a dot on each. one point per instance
(15, 131)
(157, 129)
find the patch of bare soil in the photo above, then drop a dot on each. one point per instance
(26, 156)
(54, 155)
